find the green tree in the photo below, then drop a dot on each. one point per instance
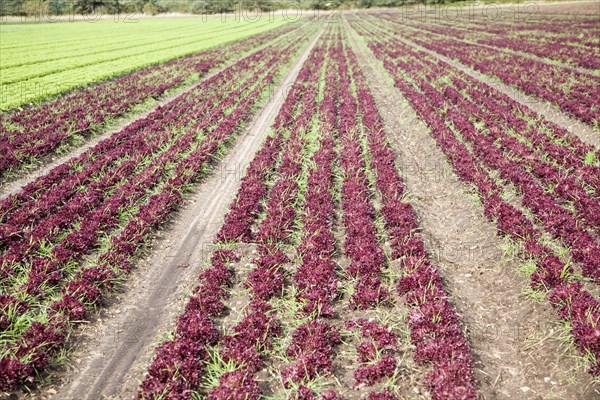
(35, 8)
(11, 7)
(88, 6)
(150, 8)
(57, 7)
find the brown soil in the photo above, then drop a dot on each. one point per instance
(15, 181)
(585, 132)
(583, 8)
(111, 353)
(584, 71)
(512, 337)
(590, 72)
(409, 380)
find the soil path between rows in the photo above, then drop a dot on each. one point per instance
(473, 42)
(557, 63)
(511, 336)
(115, 350)
(585, 132)
(13, 184)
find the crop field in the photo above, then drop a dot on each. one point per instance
(40, 60)
(366, 204)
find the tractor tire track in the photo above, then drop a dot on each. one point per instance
(512, 338)
(116, 348)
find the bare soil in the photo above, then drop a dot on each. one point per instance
(515, 339)
(551, 112)
(584, 71)
(512, 337)
(15, 181)
(111, 353)
(409, 380)
(584, 8)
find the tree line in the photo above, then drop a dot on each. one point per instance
(75, 7)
